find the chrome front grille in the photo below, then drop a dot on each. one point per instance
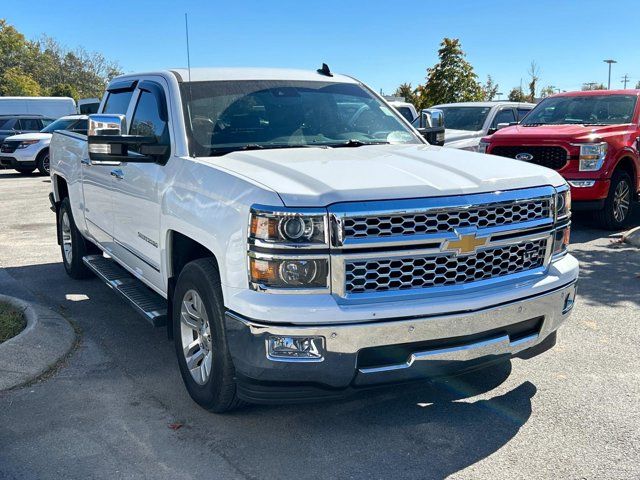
(413, 272)
(441, 220)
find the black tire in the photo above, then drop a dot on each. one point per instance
(216, 393)
(43, 162)
(71, 237)
(610, 217)
(25, 171)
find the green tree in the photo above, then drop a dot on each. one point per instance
(547, 91)
(517, 95)
(452, 79)
(490, 89)
(15, 83)
(406, 91)
(63, 90)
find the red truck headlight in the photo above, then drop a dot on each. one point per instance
(592, 156)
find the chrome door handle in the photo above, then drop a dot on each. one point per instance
(118, 173)
(86, 161)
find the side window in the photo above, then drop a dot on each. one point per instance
(118, 102)
(147, 120)
(522, 112)
(32, 124)
(505, 115)
(80, 126)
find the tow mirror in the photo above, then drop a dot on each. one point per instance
(431, 125)
(109, 143)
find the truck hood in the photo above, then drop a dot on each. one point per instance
(555, 133)
(451, 135)
(30, 136)
(323, 176)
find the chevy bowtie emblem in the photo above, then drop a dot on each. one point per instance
(465, 244)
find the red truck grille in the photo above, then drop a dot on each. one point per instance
(550, 157)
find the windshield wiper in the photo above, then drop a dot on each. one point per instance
(357, 143)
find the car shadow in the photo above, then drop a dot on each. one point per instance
(610, 269)
(435, 427)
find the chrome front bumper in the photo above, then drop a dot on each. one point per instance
(432, 345)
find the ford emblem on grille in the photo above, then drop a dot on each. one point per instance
(525, 157)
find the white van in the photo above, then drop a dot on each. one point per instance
(52, 107)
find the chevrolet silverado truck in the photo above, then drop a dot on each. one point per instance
(592, 139)
(301, 241)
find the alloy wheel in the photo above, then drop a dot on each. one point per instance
(195, 331)
(621, 201)
(67, 239)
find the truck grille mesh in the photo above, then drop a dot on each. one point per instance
(381, 275)
(482, 216)
(550, 157)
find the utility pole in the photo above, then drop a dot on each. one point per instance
(625, 80)
(609, 61)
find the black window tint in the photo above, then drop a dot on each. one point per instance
(80, 126)
(522, 112)
(504, 116)
(32, 124)
(7, 123)
(146, 119)
(117, 102)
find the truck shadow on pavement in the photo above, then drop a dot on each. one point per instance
(609, 271)
(423, 430)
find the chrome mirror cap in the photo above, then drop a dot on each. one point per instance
(107, 124)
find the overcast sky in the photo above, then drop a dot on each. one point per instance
(381, 43)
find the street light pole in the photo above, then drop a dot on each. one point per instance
(609, 62)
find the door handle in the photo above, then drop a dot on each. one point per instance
(118, 173)
(86, 161)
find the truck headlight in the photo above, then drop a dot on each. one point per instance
(592, 156)
(27, 143)
(563, 202)
(270, 272)
(287, 227)
(483, 146)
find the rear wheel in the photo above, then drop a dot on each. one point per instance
(618, 205)
(43, 162)
(73, 246)
(200, 340)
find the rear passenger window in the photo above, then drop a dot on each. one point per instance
(118, 102)
(32, 124)
(503, 116)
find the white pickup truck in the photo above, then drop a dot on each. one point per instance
(301, 241)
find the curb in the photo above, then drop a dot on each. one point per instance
(46, 339)
(632, 237)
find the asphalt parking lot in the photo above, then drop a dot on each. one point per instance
(116, 408)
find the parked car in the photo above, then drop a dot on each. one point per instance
(592, 140)
(406, 109)
(28, 151)
(295, 250)
(15, 124)
(468, 122)
(50, 107)
(87, 106)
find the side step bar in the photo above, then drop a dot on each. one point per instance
(146, 302)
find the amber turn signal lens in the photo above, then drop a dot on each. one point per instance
(263, 227)
(263, 271)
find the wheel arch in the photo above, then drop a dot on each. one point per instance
(626, 164)
(181, 249)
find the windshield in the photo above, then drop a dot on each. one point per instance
(60, 124)
(225, 116)
(465, 118)
(586, 110)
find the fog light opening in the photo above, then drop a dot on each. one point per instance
(295, 349)
(569, 301)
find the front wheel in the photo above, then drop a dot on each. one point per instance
(43, 162)
(199, 336)
(73, 246)
(618, 205)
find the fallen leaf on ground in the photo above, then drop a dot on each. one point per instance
(175, 426)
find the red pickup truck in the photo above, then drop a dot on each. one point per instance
(592, 139)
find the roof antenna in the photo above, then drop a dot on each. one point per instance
(325, 70)
(186, 29)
